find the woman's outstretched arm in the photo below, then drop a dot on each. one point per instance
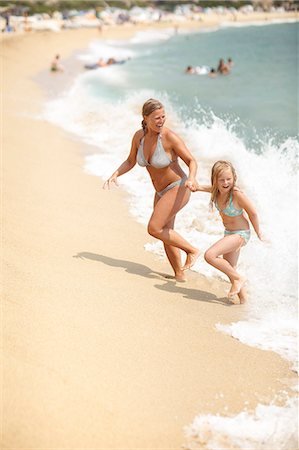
(127, 165)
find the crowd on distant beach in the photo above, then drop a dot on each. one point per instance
(17, 18)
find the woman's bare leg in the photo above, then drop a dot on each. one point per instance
(173, 253)
(226, 245)
(161, 225)
(174, 256)
(232, 258)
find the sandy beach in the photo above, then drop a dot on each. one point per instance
(100, 350)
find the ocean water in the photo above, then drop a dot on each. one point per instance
(250, 118)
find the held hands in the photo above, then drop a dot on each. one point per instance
(108, 183)
(191, 184)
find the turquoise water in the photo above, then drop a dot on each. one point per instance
(260, 93)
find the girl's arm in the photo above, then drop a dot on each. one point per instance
(202, 187)
(246, 204)
(127, 165)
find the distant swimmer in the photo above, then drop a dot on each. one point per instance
(230, 63)
(202, 70)
(212, 73)
(198, 70)
(102, 63)
(223, 68)
(55, 65)
(190, 70)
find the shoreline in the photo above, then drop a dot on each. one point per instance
(80, 349)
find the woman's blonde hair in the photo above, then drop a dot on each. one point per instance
(217, 169)
(150, 106)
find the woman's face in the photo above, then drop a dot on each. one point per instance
(155, 120)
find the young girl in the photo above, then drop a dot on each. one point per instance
(231, 204)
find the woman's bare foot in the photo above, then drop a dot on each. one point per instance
(180, 277)
(236, 286)
(190, 260)
(169, 277)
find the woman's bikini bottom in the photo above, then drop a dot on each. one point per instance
(179, 182)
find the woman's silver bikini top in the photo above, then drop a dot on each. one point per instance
(159, 160)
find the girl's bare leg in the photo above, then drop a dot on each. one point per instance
(161, 226)
(226, 245)
(232, 258)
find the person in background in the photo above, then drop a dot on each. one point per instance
(190, 70)
(230, 63)
(223, 68)
(212, 73)
(55, 64)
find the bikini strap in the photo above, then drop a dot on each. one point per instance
(141, 140)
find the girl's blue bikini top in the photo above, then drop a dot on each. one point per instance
(230, 210)
(159, 160)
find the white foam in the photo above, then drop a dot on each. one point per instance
(269, 427)
(260, 333)
(268, 178)
(106, 49)
(152, 36)
(256, 23)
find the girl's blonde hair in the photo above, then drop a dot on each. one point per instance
(217, 168)
(149, 106)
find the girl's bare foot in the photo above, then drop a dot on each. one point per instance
(242, 296)
(236, 286)
(190, 260)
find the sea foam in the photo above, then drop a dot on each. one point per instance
(268, 177)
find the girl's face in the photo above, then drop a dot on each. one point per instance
(156, 120)
(225, 181)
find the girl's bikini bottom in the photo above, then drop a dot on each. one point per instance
(245, 234)
(179, 182)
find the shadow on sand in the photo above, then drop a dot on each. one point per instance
(144, 271)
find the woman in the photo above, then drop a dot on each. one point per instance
(158, 148)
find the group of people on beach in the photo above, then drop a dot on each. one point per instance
(56, 66)
(158, 149)
(223, 68)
